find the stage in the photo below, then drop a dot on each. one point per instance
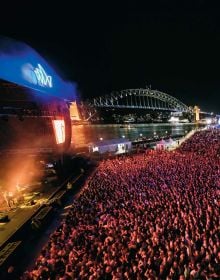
(19, 215)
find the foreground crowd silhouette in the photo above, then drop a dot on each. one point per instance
(147, 216)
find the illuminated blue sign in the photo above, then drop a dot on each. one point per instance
(22, 65)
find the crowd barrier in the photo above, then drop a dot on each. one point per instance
(7, 251)
(40, 219)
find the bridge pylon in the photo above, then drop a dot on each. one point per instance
(196, 112)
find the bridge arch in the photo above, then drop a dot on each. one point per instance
(141, 99)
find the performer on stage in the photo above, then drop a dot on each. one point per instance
(8, 196)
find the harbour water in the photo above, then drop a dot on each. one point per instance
(84, 134)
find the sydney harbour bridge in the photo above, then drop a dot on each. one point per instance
(139, 99)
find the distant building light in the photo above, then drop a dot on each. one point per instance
(174, 119)
(95, 149)
(208, 121)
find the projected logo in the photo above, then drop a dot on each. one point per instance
(37, 75)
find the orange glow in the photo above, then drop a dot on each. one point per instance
(59, 129)
(17, 172)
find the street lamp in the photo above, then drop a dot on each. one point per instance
(100, 138)
(141, 134)
(123, 136)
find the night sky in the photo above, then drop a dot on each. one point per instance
(173, 47)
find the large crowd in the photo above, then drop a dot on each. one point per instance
(153, 215)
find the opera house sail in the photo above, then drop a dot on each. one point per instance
(34, 111)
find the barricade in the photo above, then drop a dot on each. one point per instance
(7, 251)
(40, 219)
(57, 199)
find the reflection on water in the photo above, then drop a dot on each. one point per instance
(84, 134)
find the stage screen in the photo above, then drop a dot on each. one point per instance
(59, 130)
